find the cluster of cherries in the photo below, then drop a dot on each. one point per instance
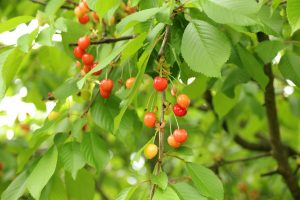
(179, 136)
(82, 13)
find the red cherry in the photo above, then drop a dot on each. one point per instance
(87, 68)
(97, 73)
(84, 19)
(107, 85)
(78, 52)
(179, 111)
(172, 142)
(160, 83)
(183, 100)
(95, 17)
(88, 59)
(180, 135)
(150, 119)
(84, 42)
(104, 94)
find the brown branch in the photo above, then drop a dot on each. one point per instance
(62, 7)
(270, 173)
(161, 133)
(108, 40)
(251, 146)
(225, 162)
(278, 150)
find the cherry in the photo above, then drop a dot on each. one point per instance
(78, 12)
(106, 85)
(96, 73)
(104, 94)
(150, 119)
(150, 151)
(179, 111)
(87, 68)
(95, 17)
(180, 135)
(129, 82)
(172, 142)
(78, 64)
(84, 7)
(84, 19)
(88, 59)
(84, 42)
(160, 83)
(78, 52)
(183, 100)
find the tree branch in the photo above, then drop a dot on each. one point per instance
(62, 7)
(270, 173)
(161, 133)
(278, 150)
(108, 40)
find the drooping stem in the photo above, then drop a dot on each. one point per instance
(108, 40)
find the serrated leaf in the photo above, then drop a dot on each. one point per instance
(168, 194)
(206, 181)
(94, 151)
(204, 48)
(72, 158)
(187, 192)
(103, 6)
(240, 12)
(42, 172)
(289, 67)
(161, 180)
(14, 22)
(16, 188)
(293, 14)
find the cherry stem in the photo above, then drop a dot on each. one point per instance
(107, 40)
(176, 120)
(149, 99)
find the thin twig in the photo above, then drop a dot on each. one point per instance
(44, 4)
(270, 173)
(90, 105)
(225, 162)
(108, 40)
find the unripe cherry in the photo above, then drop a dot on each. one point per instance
(150, 151)
(150, 119)
(180, 135)
(129, 82)
(179, 111)
(183, 100)
(172, 142)
(84, 7)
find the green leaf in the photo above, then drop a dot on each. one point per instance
(223, 104)
(53, 6)
(10, 62)
(58, 190)
(25, 41)
(94, 151)
(187, 192)
(67, 89)
(204, 48)
(267, 50)
(161, 180)
(206, 181)
(16, 188)
(135, 18)
(240, 12)
(253, 67)
(72, 158)
(289, 67)
(293, 14)
(14, 22)
(168, 194)
(82, 188)
(42, 172)
(133, 46)
(126, 194)
(103, 6)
